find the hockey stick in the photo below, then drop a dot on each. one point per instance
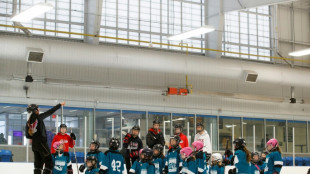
(76, 162)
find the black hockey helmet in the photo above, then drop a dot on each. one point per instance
(239, 142)
(158, 147)
(96, 143)
(32, 108)
(199, 124)
(156, 121)
(147, 152)
(178, 126)
(136, 127)
(114, 143)
(254, 153)
(177, 139)
(63, 125)
(93, 161)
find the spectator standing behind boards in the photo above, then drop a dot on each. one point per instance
(178, 131)
(154, 135)
(68, 141)
(203, 136)
(2, 139)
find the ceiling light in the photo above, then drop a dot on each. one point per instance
(32, 12)
(300, 53)
(196, 32)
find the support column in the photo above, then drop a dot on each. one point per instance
(92, 20)
(214, 16)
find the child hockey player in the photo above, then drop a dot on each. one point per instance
(94, 151)
(65, 138)
(173, 163)
(146, 166)
(61, 159)
(241, 158)
(274, 160)
(135, 168)
(257, 165)
(114, 162)
(217, 166)
(91, 164)
(189, 165)
(263, 155)
(200, 157)
(158, 158)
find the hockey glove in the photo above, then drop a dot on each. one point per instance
(81, 169)
(73, 137)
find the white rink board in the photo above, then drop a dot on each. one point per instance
(27, 168)
(24, 168)
(285, 169)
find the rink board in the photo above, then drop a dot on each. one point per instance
(27, 168)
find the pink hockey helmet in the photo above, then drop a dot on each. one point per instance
(187, 151)
(198, 145)
(140, 151)
(273, 142)
(57, 144)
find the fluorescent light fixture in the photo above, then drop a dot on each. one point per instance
(300, 53)
(196, 32)
(6, 107)
(72, 110)
(32, 12)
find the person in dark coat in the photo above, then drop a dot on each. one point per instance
(154, 135)
(35, 130)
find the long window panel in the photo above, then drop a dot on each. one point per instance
(229, 129)
(63, 16)
(300, 129)
(277, 129)
(108, 125)
(248, 32)
(251, 125)
(152, 21)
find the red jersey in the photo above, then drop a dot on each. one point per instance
(184, 141)
(68, 142)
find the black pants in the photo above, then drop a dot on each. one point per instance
(127, 161)
(42, 155)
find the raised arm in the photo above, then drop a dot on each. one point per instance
(52, 110)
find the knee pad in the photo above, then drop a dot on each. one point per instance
(37, 171)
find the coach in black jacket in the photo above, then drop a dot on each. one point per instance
(155, 136)
(35, 130)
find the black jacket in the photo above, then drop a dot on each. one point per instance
(132, 145)
(153, 138)
(40, 135)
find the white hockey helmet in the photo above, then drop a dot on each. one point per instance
(217, 157)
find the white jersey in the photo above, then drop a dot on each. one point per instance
(205, 138)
